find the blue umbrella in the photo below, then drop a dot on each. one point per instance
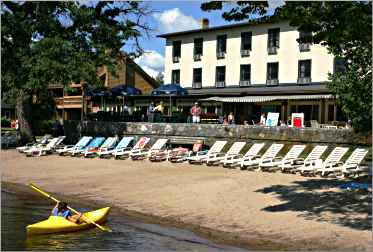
(170, 90)
(125, 90)
(98, 92)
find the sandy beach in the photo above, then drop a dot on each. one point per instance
(255, 210)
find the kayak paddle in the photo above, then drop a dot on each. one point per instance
(71, 209)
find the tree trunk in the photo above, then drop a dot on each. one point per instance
(25, 133)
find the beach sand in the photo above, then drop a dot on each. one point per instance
(254, 210)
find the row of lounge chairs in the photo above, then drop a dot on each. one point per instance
(311, 165)
(251, 160)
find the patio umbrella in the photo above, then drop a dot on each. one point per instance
(98, 92)
(170, 90)
(125, 90)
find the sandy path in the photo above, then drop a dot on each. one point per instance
(252, 207)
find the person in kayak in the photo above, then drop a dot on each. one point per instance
(60, 209)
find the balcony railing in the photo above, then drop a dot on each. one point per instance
(176, 59)
(220, 84)
(304, 80)
(220, 55)
(272, 50)
(245, 83)
(69, 102)
(245, 53)
(304, 47)
(273, 82)
(197, 57)
(197, 85)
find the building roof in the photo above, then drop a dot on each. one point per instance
(263, 20)
(146, 76)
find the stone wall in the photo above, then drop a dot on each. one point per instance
(212, 132)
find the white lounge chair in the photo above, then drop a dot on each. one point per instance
(234, 150)
(144, 153)
(80, 144)
(313, 167)
(350, 166)
(43, 150)
(109, 143)
(292, 154)
(201, 156)
(39, 143)
(141, 143)
(271, 152)
(120, 147)
(180, 154)
(315, 154)
(250, 154)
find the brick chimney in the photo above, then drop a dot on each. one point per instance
(204, 23)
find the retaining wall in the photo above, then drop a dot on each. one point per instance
(212, 132)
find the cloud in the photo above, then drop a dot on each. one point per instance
(174, 20)
(151, 62)
(273, 4)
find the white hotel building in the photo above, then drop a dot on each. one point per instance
(251, 68)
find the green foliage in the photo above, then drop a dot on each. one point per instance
(62, 42)
(5, 122)
(345, 28)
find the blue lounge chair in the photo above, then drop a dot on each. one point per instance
(80, 144)
(121, 146)
(96, 142)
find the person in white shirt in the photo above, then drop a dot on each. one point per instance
(263, 119)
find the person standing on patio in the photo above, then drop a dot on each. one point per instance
(231, 118)
(196, 112)
(159, 108)
(150, 112)
(263, 119)
(158, 111)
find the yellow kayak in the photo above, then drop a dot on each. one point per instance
(57, 224)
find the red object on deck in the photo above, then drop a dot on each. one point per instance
(297, 122)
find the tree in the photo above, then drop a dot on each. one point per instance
(345, 28)
(62, 42)
(159, 78)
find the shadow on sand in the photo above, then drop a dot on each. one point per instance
(322, 200)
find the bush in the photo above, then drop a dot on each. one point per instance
(5, 122)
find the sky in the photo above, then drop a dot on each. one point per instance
(173, 16)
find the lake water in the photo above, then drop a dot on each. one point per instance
(20, 209)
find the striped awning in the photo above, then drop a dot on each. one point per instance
(269, 98)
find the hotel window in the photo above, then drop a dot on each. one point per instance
(198, 49)
(273, 40)
(221, 46)
(197, 78)
(272, 73)
(175, 77)
(339, 65)
(176, 51)
(303, 46)
(304, 71)
(245, 75)
(220, 76)
(246, 38)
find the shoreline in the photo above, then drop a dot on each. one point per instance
(182, 201)
(216, 236)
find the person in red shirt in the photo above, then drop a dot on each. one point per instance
(196, 112)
